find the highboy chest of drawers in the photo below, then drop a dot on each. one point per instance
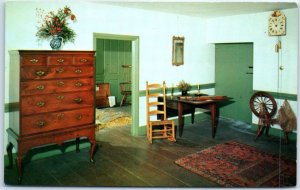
(55, 91)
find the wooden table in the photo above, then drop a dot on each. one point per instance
(189, 105)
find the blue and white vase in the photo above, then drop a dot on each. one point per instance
(56, 42)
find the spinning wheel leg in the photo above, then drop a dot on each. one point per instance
(260, 131)
(286, 137)
(267, 130)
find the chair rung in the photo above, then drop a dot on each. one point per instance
(155, 103)
(155, 112)
(155, 95)
(154, 86)
(163, 122)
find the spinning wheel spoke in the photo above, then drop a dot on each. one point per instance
(263, 99)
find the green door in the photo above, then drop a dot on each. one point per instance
(110, 57)
(234, 78)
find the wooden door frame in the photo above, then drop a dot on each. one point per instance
(134, 74)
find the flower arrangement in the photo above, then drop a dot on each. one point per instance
(184, 86)
(56, 24)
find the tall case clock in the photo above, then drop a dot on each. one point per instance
(277, 24)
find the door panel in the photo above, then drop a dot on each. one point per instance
(234, 78)
(115, 53)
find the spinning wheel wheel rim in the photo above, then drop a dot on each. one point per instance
(265, 100)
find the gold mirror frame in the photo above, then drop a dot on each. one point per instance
(178, 51)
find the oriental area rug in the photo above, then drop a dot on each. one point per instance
(232, 164)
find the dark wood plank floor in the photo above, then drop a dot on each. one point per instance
(125, 161)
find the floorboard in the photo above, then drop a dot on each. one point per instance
(125, 161)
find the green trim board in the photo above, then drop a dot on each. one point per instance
(175, 89)
(11, 107)
(279, 95)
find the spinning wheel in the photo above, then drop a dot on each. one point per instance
(264, 106)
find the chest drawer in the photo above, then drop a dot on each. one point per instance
(32, 73)
(56, 86)
(56, 102)
(83, 60)
(33, 60)
(60, 60)
(57, 120)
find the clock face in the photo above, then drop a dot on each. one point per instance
(276, 26)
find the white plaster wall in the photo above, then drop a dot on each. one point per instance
(253, 28)
(155, 31)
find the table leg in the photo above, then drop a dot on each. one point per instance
(180, 123)
(213, 118)
(193, 115)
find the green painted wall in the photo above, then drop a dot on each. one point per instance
(234, 78)
(110, 56)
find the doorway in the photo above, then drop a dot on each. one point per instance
(234, 78)
(113, 65)
(134, 46)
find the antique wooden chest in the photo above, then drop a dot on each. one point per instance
(55, 91)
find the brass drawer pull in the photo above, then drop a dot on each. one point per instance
(60, 60)
(78, 84)
(41, 124)
(40, 87)
(83, 60)
(60, 70)
(40, 73)
(34, 61)
(79, 117)
(60, 83)
(78, 100)
(78, 71)
(60, 97)
(60, 116)
(40, 104)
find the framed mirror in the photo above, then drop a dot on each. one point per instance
(178, 51)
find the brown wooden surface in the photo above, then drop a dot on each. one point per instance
(122, 160)
(56, 86)
(102, 94)
(56, 101)
(54, 72)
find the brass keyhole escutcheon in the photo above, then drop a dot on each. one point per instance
(41, 124)
(60, 83)
(78, 71)
(79, 117)
(60, 60)
(40, 73)
(60, 70)
(60, 97)
(40, 104)
(34, 61)
(78, 100)
(78, 84)
(83, 60)
(60, 116)
(40, 87)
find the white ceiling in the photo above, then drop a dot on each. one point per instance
(205, 9)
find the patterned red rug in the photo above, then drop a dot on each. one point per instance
(238, 165)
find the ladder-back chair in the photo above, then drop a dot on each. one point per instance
(160, 127)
